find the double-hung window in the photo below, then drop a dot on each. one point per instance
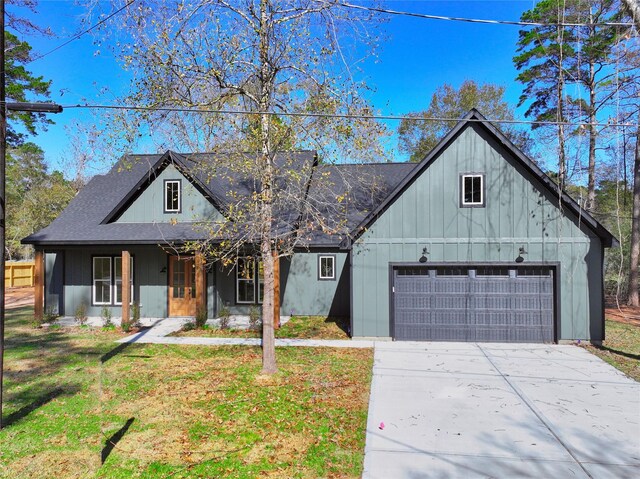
(472, 190)
(172, 196)
(249, 281)
(107, 280)
(102, 280)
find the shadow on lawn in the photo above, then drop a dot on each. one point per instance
(618, 352)
(44, 397)
(341, 322)
(110, 443)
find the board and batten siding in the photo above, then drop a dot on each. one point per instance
(150, 280)
(301, 292)
(519, 212)
(149, 206)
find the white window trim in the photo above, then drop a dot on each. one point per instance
(179, 208)
(93, 278)
(238, 280)
(115, 281)
(462, 192)
(333, 269)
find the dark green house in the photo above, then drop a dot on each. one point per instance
(474, 243)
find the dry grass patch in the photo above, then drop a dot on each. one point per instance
(174, 411)
(621, 349)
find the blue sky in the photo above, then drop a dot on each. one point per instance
(418, 56)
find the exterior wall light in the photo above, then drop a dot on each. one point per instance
(423, 258)
(521, 251)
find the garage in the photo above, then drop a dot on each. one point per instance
(493, 303)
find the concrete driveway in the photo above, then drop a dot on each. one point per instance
(499, 410)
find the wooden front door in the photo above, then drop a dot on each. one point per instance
(182, 286)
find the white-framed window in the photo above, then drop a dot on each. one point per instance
(245, 280)
(249, 281)
(117, 275)
(326, 266)
(107, 280)
(472, 189)
(172, 196)
(102, 280)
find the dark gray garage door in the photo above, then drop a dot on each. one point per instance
(466, 303)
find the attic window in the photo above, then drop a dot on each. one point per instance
(472, 190)
(172, 196)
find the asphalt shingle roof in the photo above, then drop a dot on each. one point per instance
(88, 219)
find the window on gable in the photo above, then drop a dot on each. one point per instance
(326, 266)
(472, 189)
(172, 196)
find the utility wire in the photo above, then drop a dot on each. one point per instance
(84, 32)
(478, 20)
(332, 115)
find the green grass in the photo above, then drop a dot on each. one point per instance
(302, 327)
(77, 405)
(621, 349)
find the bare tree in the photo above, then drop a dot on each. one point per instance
(277, 61)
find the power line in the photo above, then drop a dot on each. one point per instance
(478, 20)
(75, 37)
(169, 109)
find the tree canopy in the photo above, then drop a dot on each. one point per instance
(291, 68)
(418, 137)
(34, 197)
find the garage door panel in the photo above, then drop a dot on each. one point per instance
(460, 304)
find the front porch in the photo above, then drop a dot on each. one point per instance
(99, 281)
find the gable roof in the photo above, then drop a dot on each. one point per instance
(475, 117)
(89, 217)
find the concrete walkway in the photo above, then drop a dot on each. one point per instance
(440, 410)
(159, 331)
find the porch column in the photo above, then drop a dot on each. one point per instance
(201, 295)
(126, 286)
(38, 280)
(276, 290)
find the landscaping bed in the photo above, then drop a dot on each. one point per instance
(79, 405)
(621, 347)
(301, 327)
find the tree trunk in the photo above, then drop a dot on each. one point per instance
(634, 282)
(269, 365)
(591, 187)
(562, 162)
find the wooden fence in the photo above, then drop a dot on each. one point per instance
(19, 274)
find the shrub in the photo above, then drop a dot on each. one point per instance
(105, 314)
(81, 314)
(225, 317)
(50, 315)
(189, 326)
(126, 324)
(201, 317)
(255, 320)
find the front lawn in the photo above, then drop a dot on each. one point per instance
(621, 348)
(302, 327)
(79, 405)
